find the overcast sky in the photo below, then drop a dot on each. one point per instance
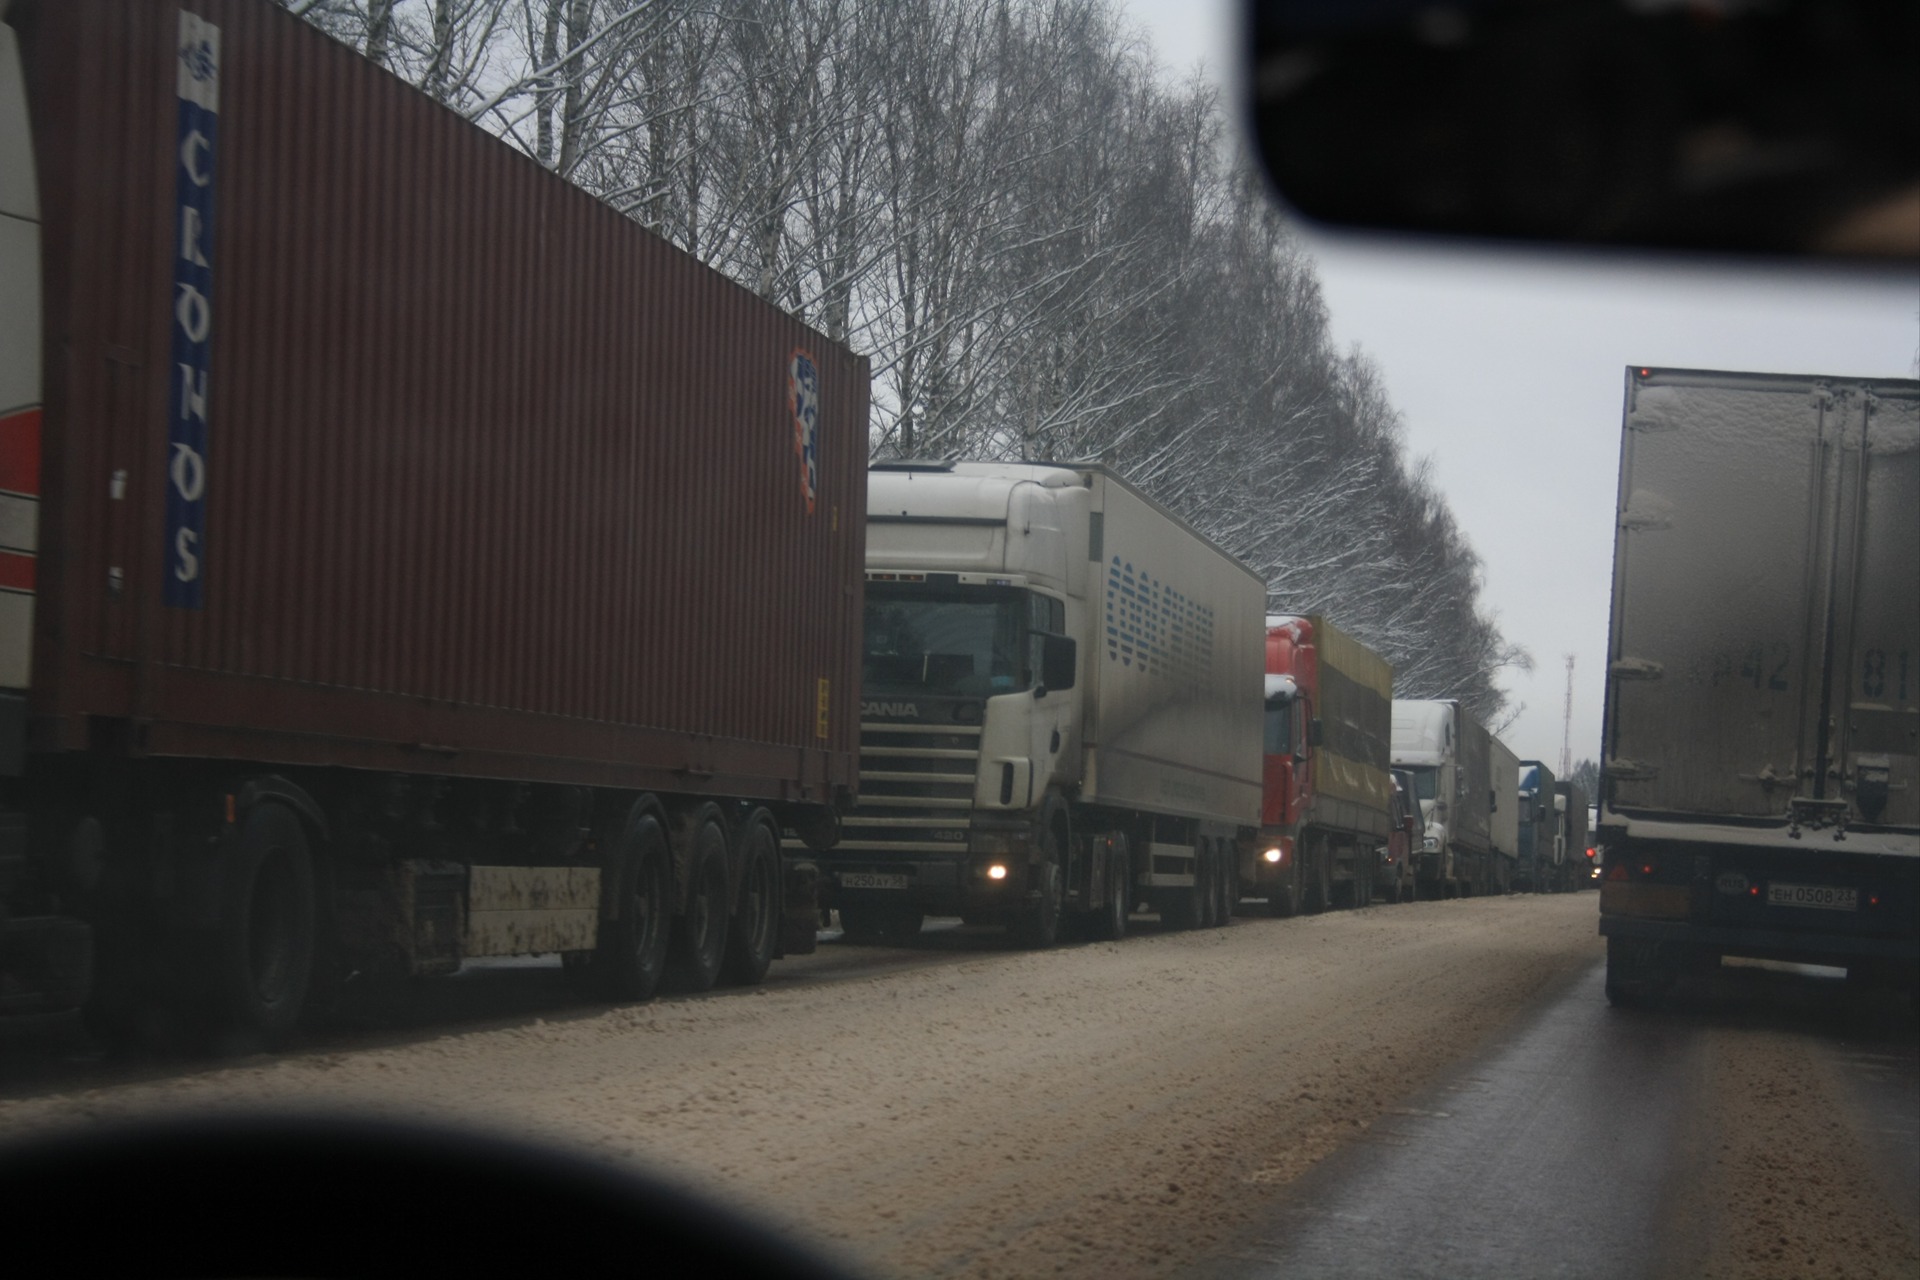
(1508, 369)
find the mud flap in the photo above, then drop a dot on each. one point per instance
(799, 907)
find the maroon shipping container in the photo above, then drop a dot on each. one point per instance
(493, 482)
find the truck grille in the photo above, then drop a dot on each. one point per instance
(916, 789)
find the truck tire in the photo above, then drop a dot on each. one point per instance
(1036, 926)
(1319, 883)
(1109, 922)
(632, 954)
(755, 929)
(700, 934)
(262, 953)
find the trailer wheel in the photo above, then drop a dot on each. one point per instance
(700, 934)
(263, 951)
(756, 921)
(633, 949)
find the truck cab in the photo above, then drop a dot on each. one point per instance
(1423, 747)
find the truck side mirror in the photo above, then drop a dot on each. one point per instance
(1315, 733)
(1057, 657)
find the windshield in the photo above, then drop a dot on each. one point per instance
(1425, 782)
(959, 642)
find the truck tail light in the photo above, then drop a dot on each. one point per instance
(1619, 871)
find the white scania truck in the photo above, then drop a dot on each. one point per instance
(1060, 707)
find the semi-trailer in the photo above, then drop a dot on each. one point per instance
(1760, 781)
(1468, 813)
(1060, 707)
(1327, 807)
(390, 536)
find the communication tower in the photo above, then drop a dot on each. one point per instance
(1566, 726)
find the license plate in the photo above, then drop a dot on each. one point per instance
(871, 880)
(1825, 897)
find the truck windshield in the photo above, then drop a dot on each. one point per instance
(958, 641)
(1279, 726)
(1424, 782)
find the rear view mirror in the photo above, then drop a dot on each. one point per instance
(1779, 127)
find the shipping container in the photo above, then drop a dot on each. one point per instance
(492, 477)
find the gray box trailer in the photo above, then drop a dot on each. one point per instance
(1503, 814)
(1760, 791)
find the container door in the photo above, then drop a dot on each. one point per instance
(1764, 524)
(1873, 698)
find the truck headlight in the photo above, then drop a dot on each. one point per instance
(1429, 845)
(1272, 855)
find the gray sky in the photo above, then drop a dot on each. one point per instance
(1508, 369)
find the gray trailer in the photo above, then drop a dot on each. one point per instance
(1760, 791)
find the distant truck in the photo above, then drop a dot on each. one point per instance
(1760, 782)
(1538, 867)
(389, 534)
(1468, 811)
(1060, 710)
(1328, 804)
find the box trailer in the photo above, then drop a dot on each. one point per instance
(1060, 706)
(394, 530)
(1760, 784)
